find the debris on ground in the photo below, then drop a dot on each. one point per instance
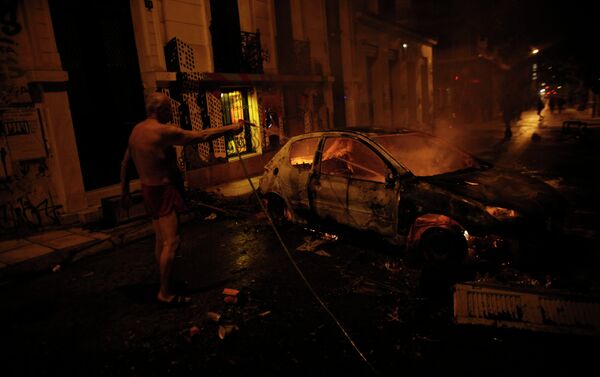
(393, 266)
(225, 330)
(322, 253)
(56, 268)
(539, 309)
(394, 315)
(194, 330)
(310, 244)
(212, 316)
(230, 292)
(329, 237)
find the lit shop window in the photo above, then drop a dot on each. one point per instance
(241, 104)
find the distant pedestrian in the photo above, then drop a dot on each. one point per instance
(561, 104)
(552, 104)
(510, 112)
(151, 147)
(539, 105)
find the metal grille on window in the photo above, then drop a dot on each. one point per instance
(213, 102)
(235, 106)
(175, 121)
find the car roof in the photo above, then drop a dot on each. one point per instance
(364, 131)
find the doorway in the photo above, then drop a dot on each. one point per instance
(97, 48)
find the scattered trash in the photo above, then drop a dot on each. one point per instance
(310, 245)
(230, 292)
(424, 338)
(393, 316)
(230, 299)
(56, 268)
(322, 253)
(91, 273)
(225, 330)
(393, 266)
(212, 316)
(194, 330)
(264, 314)
(212, 216)
(329, 237)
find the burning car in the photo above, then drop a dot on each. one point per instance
(412, 188)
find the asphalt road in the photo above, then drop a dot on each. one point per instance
(98, 316)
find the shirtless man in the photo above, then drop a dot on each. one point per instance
(151, 149)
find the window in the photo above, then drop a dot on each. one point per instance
(240, 104)
(348, 157)
(302, 152)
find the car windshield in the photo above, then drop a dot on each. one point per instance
(426, 155)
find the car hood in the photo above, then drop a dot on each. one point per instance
(503, 188)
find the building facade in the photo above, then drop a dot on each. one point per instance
(74, 78)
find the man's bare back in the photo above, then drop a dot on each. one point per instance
(147, 145)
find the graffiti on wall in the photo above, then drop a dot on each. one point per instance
(25, 187)
(13, 83)
(25, 201)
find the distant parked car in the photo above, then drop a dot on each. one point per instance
(412, 188)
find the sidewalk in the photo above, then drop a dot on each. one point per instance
(49, 250)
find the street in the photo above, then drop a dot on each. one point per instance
(99, 316)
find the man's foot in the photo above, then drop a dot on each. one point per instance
(175, 301)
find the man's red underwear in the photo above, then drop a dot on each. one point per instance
(162, 200)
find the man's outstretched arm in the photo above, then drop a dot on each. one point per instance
(177, 136)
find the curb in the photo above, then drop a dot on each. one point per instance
(117, 237)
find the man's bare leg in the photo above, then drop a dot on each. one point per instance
(170, 242)
(158, 241)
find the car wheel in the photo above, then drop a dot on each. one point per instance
(441, 246)
(278, 210)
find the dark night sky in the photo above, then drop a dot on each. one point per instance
(536, 20)
(563, 31)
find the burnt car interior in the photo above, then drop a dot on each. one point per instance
(349, 157)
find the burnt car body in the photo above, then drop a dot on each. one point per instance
(412, 188)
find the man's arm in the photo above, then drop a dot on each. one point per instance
(125, 177)
(177, 136)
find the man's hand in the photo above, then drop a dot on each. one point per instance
(240, 126)
(241, 123)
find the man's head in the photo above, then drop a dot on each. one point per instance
(158, 107)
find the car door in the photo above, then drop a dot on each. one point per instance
(349, 186)
(328, 186)
(372, 197)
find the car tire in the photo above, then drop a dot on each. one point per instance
(279, 212)
(441, 246)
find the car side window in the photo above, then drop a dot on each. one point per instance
(302, 152)
(351, 158)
